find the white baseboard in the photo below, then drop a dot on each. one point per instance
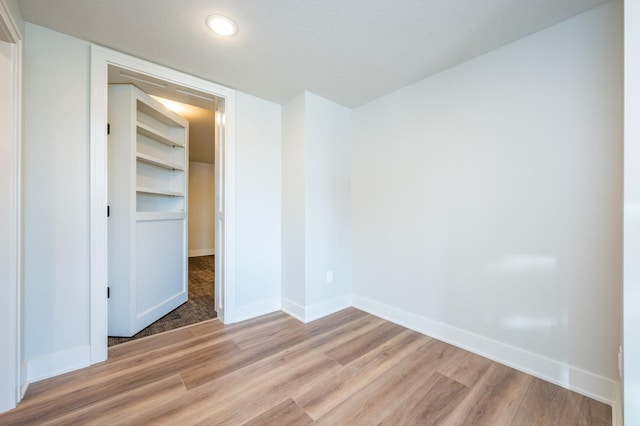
(327, 307)
(253, 310)
(575, 379)
(316, 311)
(24, 368)
(292, 308)
(616, 409)
(58, 363)
(201, 252)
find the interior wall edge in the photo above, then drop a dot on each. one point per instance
(293, 309)
(316, 311)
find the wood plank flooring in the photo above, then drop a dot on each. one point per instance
(350, 368)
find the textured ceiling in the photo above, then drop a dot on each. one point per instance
(349, 51)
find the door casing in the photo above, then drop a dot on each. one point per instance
(101, 58)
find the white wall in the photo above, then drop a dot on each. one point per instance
(258, 206)
(293, 200)
(56, 199)
(202, 209)
(631, 291)
(8, 237)
(327, 200)
(486, 203)
(315, 214)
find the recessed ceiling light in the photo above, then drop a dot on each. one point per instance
(222, 25)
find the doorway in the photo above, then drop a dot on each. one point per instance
(195, 176)
(101, 59)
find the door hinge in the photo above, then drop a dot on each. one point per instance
(108, 210)
(108, 292)
(108, 128)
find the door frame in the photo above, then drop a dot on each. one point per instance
(12, 365)
(101, 58)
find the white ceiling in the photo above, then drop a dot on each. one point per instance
(349, 51)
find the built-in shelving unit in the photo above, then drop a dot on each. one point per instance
(155, 161)
(147, 229)
(157, 136)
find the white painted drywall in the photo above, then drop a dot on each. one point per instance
(631, 290)
(315, 214)
(258, 206)
(56, 199)
(293, 200)
(202, 209)
(327, 199)
(486, 201)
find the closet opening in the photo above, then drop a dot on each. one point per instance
(162, 147)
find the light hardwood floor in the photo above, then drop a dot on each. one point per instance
(350, 368)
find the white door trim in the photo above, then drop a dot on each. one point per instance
(101, 58)
(13, 385)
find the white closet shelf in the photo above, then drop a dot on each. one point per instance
(156, 191)
(155, 161)
(152, 216)
(154, 134)
(155, 109)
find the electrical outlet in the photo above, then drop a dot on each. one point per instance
(329, 277)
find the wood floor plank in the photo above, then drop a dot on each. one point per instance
(126, 376)
(349, 368)
(282, 370)
(315, 336)
(288, 413)
(333, 389)
(548, 404)
(364, 343)
(117, 408)
(383, 394)
(160, 341)
(175, 349)
(430, 404)
(253, 337)
(542, 404)
(271, 330)
(494, 400)
(241, 396)
(465, 367)
(582, 411)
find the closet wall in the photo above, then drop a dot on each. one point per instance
(201, 209)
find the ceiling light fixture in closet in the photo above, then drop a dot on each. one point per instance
(222, 25)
